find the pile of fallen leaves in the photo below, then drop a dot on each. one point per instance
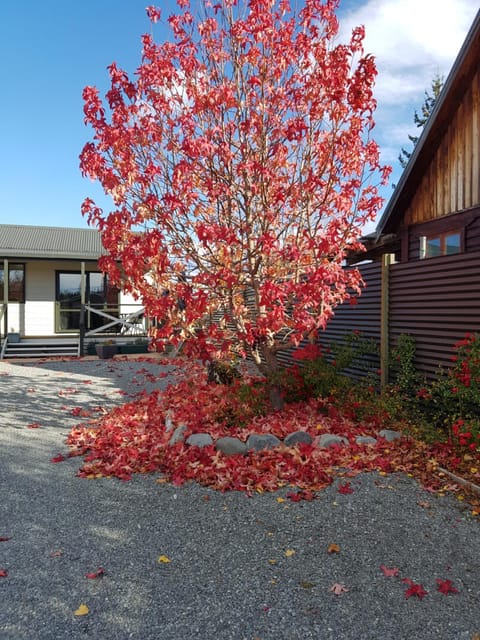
(134, 438)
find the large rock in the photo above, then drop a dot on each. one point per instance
(297, 437)
(389, 435)
(200, 440)
(178, 435)
(327, 440)
(366, 440)
(260, 441)
(230, 446)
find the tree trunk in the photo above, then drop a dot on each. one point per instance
(272, 371)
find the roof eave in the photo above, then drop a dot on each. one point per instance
(405, 187)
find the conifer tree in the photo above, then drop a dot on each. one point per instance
(421, 120)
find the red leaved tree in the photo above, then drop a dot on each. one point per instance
(242, 169)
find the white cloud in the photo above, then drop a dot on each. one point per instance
(412, 41)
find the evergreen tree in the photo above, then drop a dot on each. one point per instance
(420, 120)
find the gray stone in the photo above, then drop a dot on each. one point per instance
(168, 421)
(390, 435)
(367, 440)
(177, 435)
(200, 440)
(230, 446)
(259, 441)
(296, 437)
(327, 440)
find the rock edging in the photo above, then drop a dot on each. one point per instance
(264, 441)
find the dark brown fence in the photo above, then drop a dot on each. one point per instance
(436, 301)
(364, 316)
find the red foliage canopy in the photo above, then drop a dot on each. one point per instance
(242, 169)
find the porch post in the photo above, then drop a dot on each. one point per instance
(5, 295)
(387, 260)
(82, 309)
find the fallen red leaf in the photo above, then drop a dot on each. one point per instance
(345, 488)
(95, 574)
(389, 572)
(416, 590)
(446, 587)
(33, 425)
(4, 538)
(3, 573)
(338, 589)
(58, 458)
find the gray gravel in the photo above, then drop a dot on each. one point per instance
(229, 576)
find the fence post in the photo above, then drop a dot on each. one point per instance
(387, 260)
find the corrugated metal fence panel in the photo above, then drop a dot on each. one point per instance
(364, 316)
(436, 301)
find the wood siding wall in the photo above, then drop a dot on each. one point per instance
(452, 181)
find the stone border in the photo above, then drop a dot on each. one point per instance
(265, 441)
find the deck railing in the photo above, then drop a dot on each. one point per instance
(126, 323)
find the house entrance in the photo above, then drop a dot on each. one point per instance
(99, 294)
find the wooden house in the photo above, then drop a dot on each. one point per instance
(424, 276)
(51, 287)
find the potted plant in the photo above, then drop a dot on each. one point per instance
(106, 349)
(13, 336)
(139, 346)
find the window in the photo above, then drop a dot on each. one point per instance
(16, 282)
(99, 293)
(443, 244)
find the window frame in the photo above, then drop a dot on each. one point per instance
(12, 266)
(442, 237)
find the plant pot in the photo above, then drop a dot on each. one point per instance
(13, 337)
(90, 349)
(105, 351)
(133, 348)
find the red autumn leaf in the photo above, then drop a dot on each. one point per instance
(58, 458)
(338, 589)
(4, 538)
(3, 573)
(446, 586)
(389, 571)
(33, 425)
(294, 497)
(345, 488)
(416, 590)
(95, 574)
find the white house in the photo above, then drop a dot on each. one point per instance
(46, 275)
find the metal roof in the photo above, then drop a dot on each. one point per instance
(22, 241)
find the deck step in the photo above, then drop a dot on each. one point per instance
(39, 349)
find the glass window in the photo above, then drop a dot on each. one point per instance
(444, 244)
(434, 247)
(16, 282)
(99, 294)
(453, 243)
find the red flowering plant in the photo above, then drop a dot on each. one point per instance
(451, 403)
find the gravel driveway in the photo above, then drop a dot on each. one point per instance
(238, 568)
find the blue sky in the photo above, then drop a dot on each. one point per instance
(50, 50)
